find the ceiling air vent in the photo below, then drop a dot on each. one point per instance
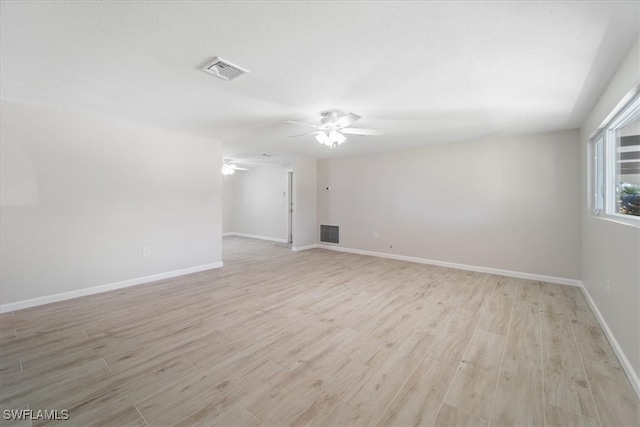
(223, 69)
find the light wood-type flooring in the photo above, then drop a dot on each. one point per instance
(317, 337)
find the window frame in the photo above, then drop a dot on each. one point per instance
(599, 180)
(603, 143)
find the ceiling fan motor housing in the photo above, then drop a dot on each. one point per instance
(330, 116)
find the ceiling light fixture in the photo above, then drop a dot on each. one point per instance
(333, 125)
(331, 138)
(228, 170)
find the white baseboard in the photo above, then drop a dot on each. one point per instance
(304, 248)
(254, 236)
(490, 270)
(19, 305)
(628, 369)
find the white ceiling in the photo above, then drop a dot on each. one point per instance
(423, 72)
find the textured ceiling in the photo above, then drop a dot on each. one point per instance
(423, 72)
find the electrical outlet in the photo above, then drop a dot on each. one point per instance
(146, 251)
(375, 235)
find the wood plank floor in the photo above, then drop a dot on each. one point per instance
(318, 337)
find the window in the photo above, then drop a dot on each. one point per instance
(616, 168)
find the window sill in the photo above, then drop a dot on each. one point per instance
(619, 219)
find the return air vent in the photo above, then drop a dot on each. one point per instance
(330, 234)
(223, 69)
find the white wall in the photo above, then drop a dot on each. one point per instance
(611, 250)
(509, 204)
(229, 193)
(257, 202)
(88, 193)
(305, 225)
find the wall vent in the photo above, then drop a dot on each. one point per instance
(330, 234)
(223, 69)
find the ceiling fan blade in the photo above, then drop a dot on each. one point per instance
(241, 169)
(346, 120)
(302, 124)
(306, 133)
(363, 132)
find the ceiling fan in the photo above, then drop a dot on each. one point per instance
(333, 125)
(229, 168)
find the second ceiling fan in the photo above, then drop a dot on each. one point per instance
(333, 125)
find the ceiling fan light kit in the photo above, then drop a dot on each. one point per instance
(227, 170)
(331, 139)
